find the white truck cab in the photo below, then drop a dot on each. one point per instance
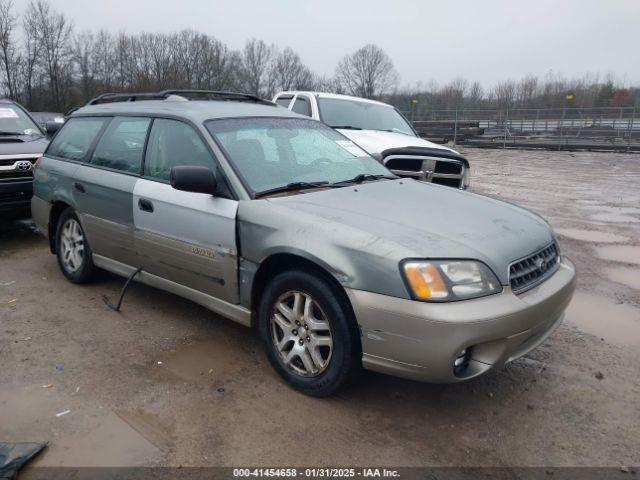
(383, 132)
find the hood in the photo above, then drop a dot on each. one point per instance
(376, 141)
(23, 144)
(421, 220)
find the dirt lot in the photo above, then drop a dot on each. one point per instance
(214, 400)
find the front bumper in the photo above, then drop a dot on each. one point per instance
(421, 341)
(15, 199)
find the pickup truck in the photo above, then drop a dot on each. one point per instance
(384, 133)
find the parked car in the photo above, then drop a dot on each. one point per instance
(22, 142)
(50, 122)
(384, 133)
(276, 220)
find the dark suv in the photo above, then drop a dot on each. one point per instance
(22, 142)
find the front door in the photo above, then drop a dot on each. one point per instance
(188, 238)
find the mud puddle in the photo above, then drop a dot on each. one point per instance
(594, 236)
(87, 436)
(616, 323)
(149, 426)
(620, 253)
(626, 276)
(209, 361)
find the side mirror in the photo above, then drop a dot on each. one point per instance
(52, 127)
(193, 179)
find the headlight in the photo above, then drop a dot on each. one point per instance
(466, 178)
(449, 280)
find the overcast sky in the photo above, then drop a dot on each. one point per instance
(488, 40)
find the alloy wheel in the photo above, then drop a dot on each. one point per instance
(301, 333)
(72, 245)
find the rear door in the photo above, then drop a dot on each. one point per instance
(104, 185)
(188, 238)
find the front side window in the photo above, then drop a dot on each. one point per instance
(122, 144)
(173, 143)
(75, 138)
(273, 152)
(340, 113)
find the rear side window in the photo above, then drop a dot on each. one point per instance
(301, 106)
(75, 138)
(122, 144)
(284, 101)
(173, 143)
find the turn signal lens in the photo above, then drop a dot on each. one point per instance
(425, 281)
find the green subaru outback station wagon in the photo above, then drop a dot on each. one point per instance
(277, 221)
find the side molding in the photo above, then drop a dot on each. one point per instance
(236, 313)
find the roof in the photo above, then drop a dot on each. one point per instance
(336, 96)
(195, 110)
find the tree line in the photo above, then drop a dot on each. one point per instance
(48, 66)
(531, 92)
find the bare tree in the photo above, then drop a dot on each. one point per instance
(53, 35)
(368, 72)
(8, 50)
(526, 91)
(289, 72)
(475, 95)
(504, 93)
(31, 56)
(84, 51)
(256, 60)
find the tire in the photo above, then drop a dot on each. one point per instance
(77, 266)
(323, 357)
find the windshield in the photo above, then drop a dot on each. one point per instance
(363, 115)
(14, 121)
(269, 153)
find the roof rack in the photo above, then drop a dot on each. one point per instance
(186, 94)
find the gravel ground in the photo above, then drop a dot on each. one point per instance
(166, 382)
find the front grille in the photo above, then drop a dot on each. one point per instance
(405, 164)
(8, 173)
(535, 269)
(443, 171)
(448, 167)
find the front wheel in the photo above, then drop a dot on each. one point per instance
(72, 249)
(309, 334)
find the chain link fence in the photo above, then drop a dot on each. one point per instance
(607, 128)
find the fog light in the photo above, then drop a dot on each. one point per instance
(462, 361)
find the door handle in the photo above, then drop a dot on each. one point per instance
(79, 187)
(145, 205)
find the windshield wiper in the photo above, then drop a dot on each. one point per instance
(362, 177)
(292, 186)
(345, 127)
(12, 133)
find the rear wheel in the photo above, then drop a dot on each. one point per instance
(309, 334)
(72, 249)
